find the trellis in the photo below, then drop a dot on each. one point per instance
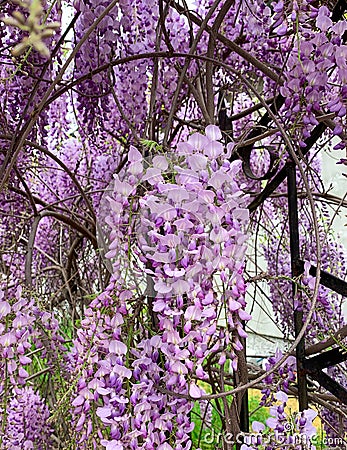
(306, 366)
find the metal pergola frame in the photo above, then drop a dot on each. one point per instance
(306, 366)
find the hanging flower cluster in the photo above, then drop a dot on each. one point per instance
(189, 234)
(180, 219)
(27, 422)
(16, 325)
(24, 326)
(98, 363)
(328, 314)
(280, 379)
(316, 71)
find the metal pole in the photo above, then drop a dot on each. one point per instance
(296, 272)
(244, 411)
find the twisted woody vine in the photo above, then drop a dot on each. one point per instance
(147, 156)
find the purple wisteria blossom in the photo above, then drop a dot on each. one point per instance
(187, 234)
(26, 426)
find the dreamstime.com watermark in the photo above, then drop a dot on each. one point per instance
(276, 438)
